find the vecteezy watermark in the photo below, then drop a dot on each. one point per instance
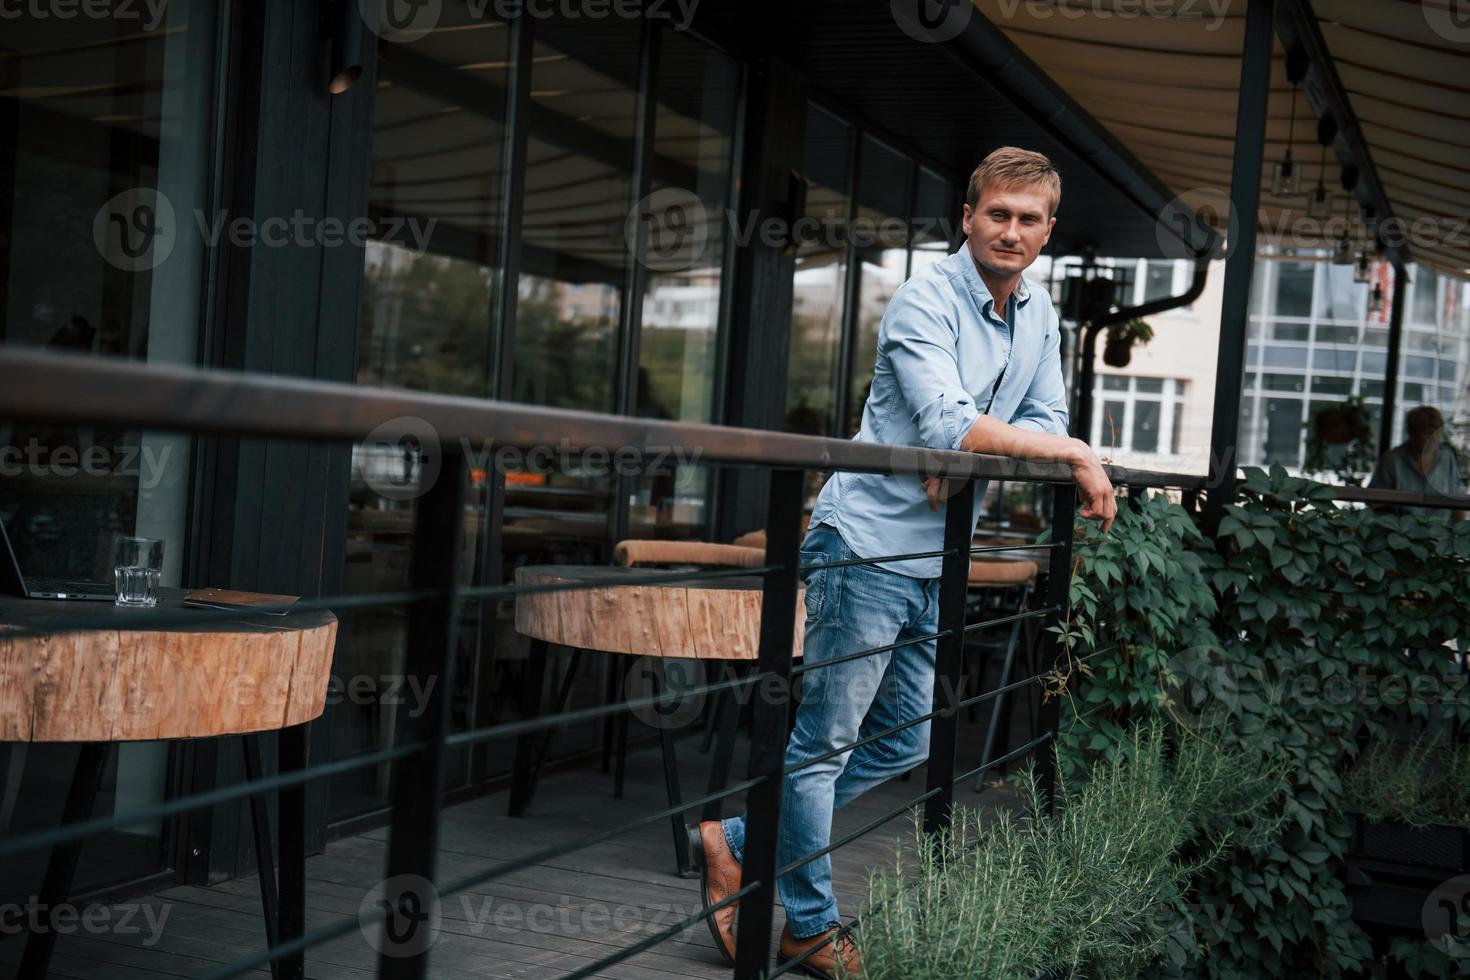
(387, 690)
(669, 230)
(1214, 10)
(1450, 19)
(665, 692)
(406, 21)
(404, 916)
(932, 21)
(1194, 218)
(1446, 916)
(1200, 687)
(149, 12)
(64, 918)
(400, 916)
(148, 464)
(402, 458)
(137, 230)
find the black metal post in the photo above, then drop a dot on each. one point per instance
(949, 654)
(768, 730)
(418, 779)
(1401, 285)
(1053, 653)
(1245, 197)
(265, 868)
(291, 755)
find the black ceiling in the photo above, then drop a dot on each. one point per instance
(936, 101)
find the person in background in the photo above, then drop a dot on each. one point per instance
(1424, 463)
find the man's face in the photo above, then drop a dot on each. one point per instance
(1009, 228)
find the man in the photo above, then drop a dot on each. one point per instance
(1424, 463)
(967, 360)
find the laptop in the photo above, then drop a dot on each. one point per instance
(12, 582)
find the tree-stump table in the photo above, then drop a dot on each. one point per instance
(612, 611)
(124, 681)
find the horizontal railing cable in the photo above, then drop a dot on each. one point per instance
(1013, 617)
(805, 666)
(76, 830)
(593, 969)
(592, 714)
(866, 828)
(554, 851)
(1015, 753)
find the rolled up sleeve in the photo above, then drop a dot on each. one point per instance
(918, 339)
(1044, 407)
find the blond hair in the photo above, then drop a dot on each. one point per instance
(1011, 165)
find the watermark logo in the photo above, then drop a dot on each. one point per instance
(401, 458)
(401, 21)
(1446, 916)
(932, 21)
(1450, 19)
(64, 918)
(676, 683)
(150, 12)
(401, 916)
(136, 230)
(669, 230)
(148, 464)
(1105, 10)
(1199, 687)
(1195, 217)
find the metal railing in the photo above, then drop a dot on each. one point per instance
(62, 389)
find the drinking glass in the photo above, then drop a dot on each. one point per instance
(137, 564)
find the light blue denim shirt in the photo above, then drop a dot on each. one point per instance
(944, 359)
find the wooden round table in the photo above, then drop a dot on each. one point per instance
(126, 681)
(708, 619)
(123, 683)
(714, 619)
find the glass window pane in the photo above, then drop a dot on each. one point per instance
(1149, 385)
(936, 220)
(820, 280)
(1332, 386)
(1337, 335)
(1284, 382)
(584, 110)
(1113, 382)
(1330, 359)
(1424, 308)
(1298, 332)
(1294, 288)
(106, 144)
(1284, 357)
(1419, 367)
(1158, 280)
(1339, 298)
(694, 135)
(1113, 418)
(1283, 431)
(1146, 415)
(883, 190)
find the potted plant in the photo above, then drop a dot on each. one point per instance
(1340, 440)
(1118, 347)
(1410, 811)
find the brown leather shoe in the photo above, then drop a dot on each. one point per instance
(837, 955)
(719, 876)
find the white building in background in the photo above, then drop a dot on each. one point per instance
(1312, 340)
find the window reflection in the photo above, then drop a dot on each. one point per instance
(693, 145)
(105, 153)
(884, 189)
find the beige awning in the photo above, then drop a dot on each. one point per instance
(1165, 86)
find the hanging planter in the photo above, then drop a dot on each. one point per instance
(1340, 440)
(1338, 425)
(1118, 347)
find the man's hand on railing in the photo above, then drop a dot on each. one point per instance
(1094, 487)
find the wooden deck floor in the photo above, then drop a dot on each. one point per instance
(543, 922)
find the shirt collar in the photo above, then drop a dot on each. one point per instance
(981, 292)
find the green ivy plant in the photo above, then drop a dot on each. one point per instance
(1311, 626)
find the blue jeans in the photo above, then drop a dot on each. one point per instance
(848, 609)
